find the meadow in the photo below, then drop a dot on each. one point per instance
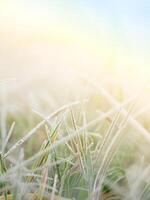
(84, 139)
(74, 100)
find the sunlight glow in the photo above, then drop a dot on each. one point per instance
(94, 41)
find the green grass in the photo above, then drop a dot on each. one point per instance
(87, 149)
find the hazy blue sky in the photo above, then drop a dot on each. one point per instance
(110, 28)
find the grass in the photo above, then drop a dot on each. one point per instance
(94, 148)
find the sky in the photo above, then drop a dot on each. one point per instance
(111, 33)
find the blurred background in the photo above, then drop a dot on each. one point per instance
(103, 39)
(48, 49)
